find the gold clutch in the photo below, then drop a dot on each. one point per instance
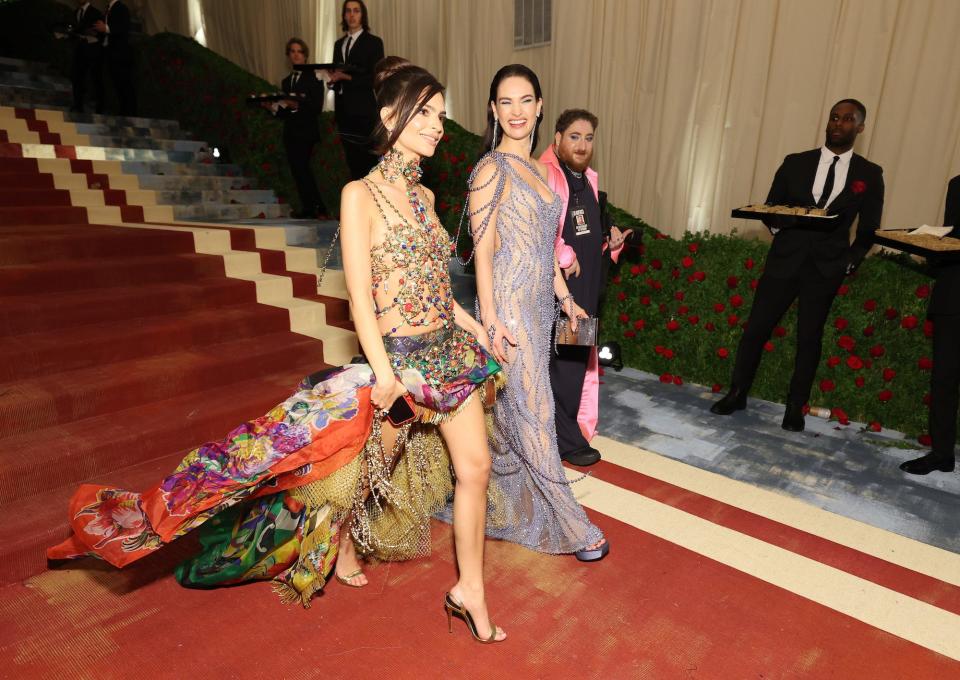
(584, 336)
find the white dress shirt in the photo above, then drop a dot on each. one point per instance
(839, 174)
(352, 40)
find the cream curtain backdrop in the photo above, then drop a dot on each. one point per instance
(699, 100)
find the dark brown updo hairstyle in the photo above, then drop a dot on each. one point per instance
(509, 71)
(405, 88)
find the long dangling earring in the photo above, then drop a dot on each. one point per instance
(493, 144)
(531, 142)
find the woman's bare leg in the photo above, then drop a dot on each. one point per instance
(466, 439)
(347, 560)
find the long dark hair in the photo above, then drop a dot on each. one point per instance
(403, 87)
(364, 23)
(509, 71)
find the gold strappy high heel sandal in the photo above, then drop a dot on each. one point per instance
(454, 608)
(345, 580)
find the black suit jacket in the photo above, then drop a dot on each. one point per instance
(354, 98)
(830, 248)
(946, 292)
(301, 125)
(117, 18)
(84, 27)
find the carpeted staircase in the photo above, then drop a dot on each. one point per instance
(126, 336)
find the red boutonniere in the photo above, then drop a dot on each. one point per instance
(858, 187)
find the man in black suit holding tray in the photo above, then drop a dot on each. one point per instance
(300, 129)
(944, 311)
(356, 110)
(809, 263)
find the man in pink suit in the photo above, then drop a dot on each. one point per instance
(581, 245)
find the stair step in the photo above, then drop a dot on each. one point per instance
(181, 169)
(208, 197)
(32, 355)
(30, 405)
(33, 197)
(60, 275)
(41, 215)
(159, 435)
(37, 81)
(190, 146)
(73, 309)
(228, 212)
(118, 130)
(85, 242)
(195, 183)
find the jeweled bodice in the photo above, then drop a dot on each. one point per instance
(410, 267)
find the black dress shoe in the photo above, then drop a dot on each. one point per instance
(582, 457)
(927, 464)
(793, 418)
(735, 400)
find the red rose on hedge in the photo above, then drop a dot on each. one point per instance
(639, 324)
(709, 326)
(891, 313)
(687, 262)
(645, 300)
(859, 381)
(748, 263)
(678, 295)
(925, 364)
(723, 352)
(635, 270)
(780, 331)
(736, 300)
(624, 318)
(925, 439)
(843, 289)
(827, 386)
(833, 361)
(753, 284)
(662, 307)
(675, 273)
(616, 279)
(877, 351)
(885, 395)
(922, 291)
(909, 322)
(858, 187)
(928, 328)
(682, 309)
(874, 426)
(870, 305)
(719, 307)
(677, 380)
(846, 342)
(732, 282)
(840, 415)
(659, 349)
(668, 354)
(629, 334)
(621, 296)
(643, 268)
(926, 399)
(656, 264)
(672, 325)
(693, 319)
(733, 319)
(699, 276)
(868, 331)
(693, 247)
(666, 378)
(840, 323)
(768, 346)
(716, 387)
(889, 374)
(854, 362)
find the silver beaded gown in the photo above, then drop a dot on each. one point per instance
(528, 480)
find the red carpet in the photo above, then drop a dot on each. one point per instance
(120, 348)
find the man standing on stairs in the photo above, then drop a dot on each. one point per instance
(356, 109)
(118, 54)
(87, 57)
(300, 129)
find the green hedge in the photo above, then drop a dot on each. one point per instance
(676, 307)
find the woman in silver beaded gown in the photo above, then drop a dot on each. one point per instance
(513, 217)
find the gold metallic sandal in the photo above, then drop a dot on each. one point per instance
(454, 608)
(345, 580)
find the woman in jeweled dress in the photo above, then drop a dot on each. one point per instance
(288, 495)
(513, 217)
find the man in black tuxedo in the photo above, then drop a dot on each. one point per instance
(118, 54)
(356, 109)
(87, 57)
(300, 129)
(810, 264)
(944, 311)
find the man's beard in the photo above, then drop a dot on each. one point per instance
(577, 163)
